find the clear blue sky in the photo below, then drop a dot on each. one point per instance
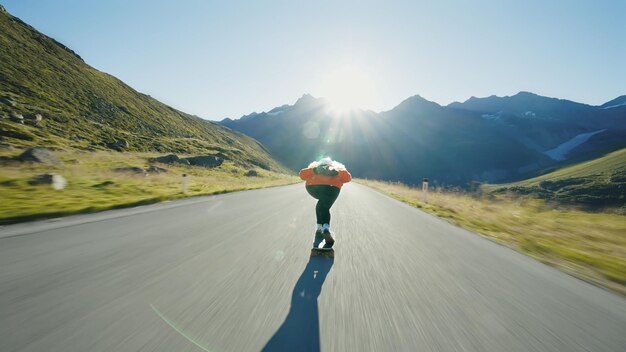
(221, 59)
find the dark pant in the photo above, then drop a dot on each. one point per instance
(326, 196)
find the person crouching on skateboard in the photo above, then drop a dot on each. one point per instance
(324, 179)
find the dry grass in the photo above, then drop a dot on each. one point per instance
(93, 185)
(591, 246)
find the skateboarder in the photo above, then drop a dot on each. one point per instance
(324, 179)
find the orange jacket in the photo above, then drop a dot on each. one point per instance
(313, 179)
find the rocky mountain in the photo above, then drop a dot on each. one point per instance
(50, 97)
(562, 129)
(482, 139)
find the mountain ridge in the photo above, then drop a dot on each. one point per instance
(527, 126)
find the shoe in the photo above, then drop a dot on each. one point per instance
(328, 238)
(318, 239)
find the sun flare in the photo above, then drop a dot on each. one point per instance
(347, 88)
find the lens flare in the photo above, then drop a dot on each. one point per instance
(347, 88)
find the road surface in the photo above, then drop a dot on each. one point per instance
(232, 273)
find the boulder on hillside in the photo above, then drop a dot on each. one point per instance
(16, 117)
(130, 169)
(107, 183)
(260, 164)
(33, 119)
(57, 182)
(170, 159)
(205, 161)
(222, 155)
(119, 145)
(39, 155)
(8, 101)
(156, 170)
(23, 135)
(8, 183)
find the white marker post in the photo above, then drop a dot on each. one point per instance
(184, 183)
(425, 190)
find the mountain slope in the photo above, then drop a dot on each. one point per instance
(617, 102)
(599, 182)
(84, 108)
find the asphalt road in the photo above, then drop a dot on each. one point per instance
(233, 273)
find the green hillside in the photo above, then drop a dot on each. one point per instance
(599, 182)
(83, 108)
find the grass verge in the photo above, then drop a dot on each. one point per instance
(94, 185)
(590, 246)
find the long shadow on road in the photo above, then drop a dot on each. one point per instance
(301, 331)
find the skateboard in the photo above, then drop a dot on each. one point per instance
(320, 248)
(322, 252)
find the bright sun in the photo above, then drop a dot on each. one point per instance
(347, 88)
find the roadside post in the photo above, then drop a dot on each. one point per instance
(184, 183)
(425, 190)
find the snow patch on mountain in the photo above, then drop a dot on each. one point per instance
(562, 150)
(614, 106)
(279, 110)
(495, 116)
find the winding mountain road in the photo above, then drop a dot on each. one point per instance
(232, 273)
